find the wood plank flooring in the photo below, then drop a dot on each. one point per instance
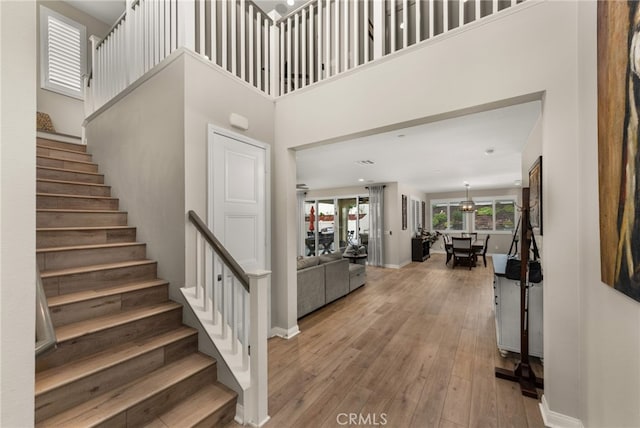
(414, 347)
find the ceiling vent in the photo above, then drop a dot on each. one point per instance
(365, 162)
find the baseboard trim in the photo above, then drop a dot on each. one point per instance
(553, 419)
(284, 333)
(392, 266)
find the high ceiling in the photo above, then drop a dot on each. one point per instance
(434, 157)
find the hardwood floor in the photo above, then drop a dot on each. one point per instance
(414, 347)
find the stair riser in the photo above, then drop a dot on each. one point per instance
(80, 311)
(86, 257)
(146, 411)
(74, 393)
(80, 219)
(54, 174)
(62, 203)
(62, 154)
(72, 189)
(63, 238)
(61, 145)
(220, 418)
(66, 164)
(99, 341)
(99, 279)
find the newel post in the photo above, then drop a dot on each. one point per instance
(187, 24)
(256, 404)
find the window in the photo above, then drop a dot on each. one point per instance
(63, 47)
(491, 215)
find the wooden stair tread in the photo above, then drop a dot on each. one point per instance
(93, 268)
(82, 148)
(64, 159)
(67, 210)
(105, 406)
(94, 325)
(51, 168)
(48, 180)
(60, 149)
(89, 247)
(64, 229)
(59, 376)
(198, 406)
(65, 299)
(65, 195)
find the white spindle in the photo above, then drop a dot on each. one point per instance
(320, 47)
(311, 54)
(418, 21)
(271, 54)
(223, 29)
(432, 19)
(157, 34)
(289, 64)
(160, 6)
(199, 262)
(477, 9)
(245, 331)
(494, 7)
(215, 292)
(234, 316)
(223, 302)
(296, 52)
(345, 36)
(243, 57)
(445, 16)
(147, 36)
(283, 35)
(513, 2)
(405, 23)
(356, 34)
(234, 39)
(303, 55)
(461, 4)
(187, 24)
(167, 27)
(365, 32)
(212, 31)
(259, 51)
(379, 18)
(203, 274)
(174, 25)
(327, 42)
(201, 30)
(336, 36)
(392, 30)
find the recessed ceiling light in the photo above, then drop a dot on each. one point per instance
(518, 182)
(361, 179)
(365, 162)
(290, 2)
(489, 152)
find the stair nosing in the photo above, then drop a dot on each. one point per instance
(148, 345)
(106, 322)
(201, 363)
(66, 160)
(75, 171)
(65, 229)
(94, 268)
(79, 183)
(81, 296)
(60, 149)
(90, 247)
(71, 210)
(65, 195)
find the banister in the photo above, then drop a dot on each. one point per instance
(113, 27)
(219, 249)
(45, 333)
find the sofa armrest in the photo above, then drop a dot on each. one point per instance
(311, 291)
(336, 279)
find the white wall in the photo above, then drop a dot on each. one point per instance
(66, 113)
(17, 212)
(608, 357)
(519, 55)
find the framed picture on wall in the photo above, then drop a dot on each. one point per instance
(535, 195)
(404, 212)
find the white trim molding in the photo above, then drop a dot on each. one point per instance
(553, 419)
(284, 333)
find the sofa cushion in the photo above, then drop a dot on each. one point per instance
(327, 258)
(308, 262)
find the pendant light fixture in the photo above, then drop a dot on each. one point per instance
(467, 205)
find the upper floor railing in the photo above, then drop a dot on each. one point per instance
(276, 55)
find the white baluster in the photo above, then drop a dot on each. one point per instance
(311, 54)
(215, 288)
(365, 32)
(174, 25)
(432, 19)
(223, 29)
(251, 48)
(198, 262)
(243, 51)
(345, 36)
(259, 51)
(405, 23)
(478, 14)
(223, 302)
(445, 16)
(418, 21)
(303, 54)
(214, 28)
(233, 41)
(494, 7)
(161, 30)
(203, 267)
(245, 330)
(320, 47)
(336, 36)
(327, 42)
(234, 317)
(378, 29)
(201, 30)
(461, 4)
(294, 69)
(271, 53)
(167, 27)
(356, 34)
(392, 29)
(186, 25)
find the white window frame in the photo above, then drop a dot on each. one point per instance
(469, 222)
(45, 82)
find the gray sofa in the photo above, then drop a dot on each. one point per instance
(323, 279)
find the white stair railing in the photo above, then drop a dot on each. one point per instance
(231, 306)
(321, 39)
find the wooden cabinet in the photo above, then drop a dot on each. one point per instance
(419, 249)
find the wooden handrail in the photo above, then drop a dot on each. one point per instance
(220, 250)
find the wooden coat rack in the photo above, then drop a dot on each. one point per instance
(523, 372)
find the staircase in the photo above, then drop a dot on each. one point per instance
(123, 356)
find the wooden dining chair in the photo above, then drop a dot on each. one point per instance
(483, 252)
(447, 247)
(462, 252)
(472, 235)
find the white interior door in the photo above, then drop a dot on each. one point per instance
(238, 198)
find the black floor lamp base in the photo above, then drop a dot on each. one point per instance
(524, 375)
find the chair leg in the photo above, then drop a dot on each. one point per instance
(484, 259)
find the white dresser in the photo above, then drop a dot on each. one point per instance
(507, 311)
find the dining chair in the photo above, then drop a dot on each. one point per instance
(472, 235)
(483, 252)
(447, 247)
(462, 251)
